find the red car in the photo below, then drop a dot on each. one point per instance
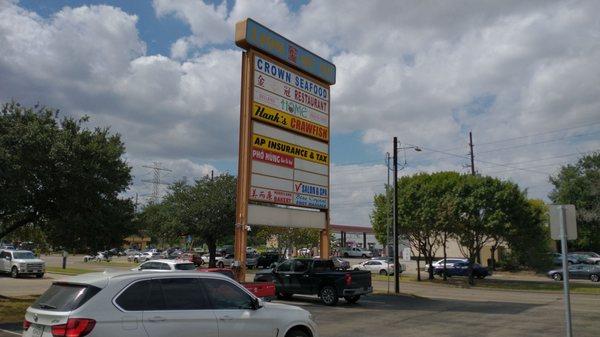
(259, 289)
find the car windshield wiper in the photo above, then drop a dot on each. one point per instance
(46, 306)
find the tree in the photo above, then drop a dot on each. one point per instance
(62, 177)
(206, 209)
(579, 184)
(289, 238)
(161, 222)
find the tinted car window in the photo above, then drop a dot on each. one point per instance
(285, 266)
(225, 295)
(300, 266)
(322, 266)
(164, 266)
(134, 297)
(149, 265)
(65, 297)
(185, 266)
(183, 294)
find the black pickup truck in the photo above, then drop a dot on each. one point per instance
(317, 277)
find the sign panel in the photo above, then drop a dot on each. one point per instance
(250, 34)
(570, 221)
(290, 154)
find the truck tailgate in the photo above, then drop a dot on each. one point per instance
(360, 279)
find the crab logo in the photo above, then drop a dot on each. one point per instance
(261, 81)
(35, 318)
(292, 53)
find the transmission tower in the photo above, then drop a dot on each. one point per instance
(156, 180)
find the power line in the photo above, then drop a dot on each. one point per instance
(537, 143)
(156, 180)
(579, 126)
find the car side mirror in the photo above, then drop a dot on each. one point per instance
(8, 258)
(256, 303)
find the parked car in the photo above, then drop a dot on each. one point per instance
(264, 290)
(449, 263)
(141, 304)
(340, 263)
(7, 246)
(192, 257)
(381, 267)
(166, 265)
(462, 269)
(129, 252)
(103, 256)
(317, 277)
(588, 257)
(356, 252)
(251, 260)
(578, 271)
(21, 262)
(557, 259)
(269, 260)
(221, 261)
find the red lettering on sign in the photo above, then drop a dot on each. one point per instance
(272, 158)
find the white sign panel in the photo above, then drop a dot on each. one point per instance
(570, 219)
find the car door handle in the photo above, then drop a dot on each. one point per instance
(225, 318)
(156, 319)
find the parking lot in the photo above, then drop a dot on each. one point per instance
(422, 309)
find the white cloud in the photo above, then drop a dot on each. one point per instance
(427, 72)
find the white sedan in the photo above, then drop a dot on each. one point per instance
(220, 260)
(166, 265)
(380, 267)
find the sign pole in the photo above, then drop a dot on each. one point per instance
(396, 261)
(243, 181)
(565, 267)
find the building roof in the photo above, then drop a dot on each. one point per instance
(351, 229)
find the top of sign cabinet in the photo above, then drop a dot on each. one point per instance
(250, 34)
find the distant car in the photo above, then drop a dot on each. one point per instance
(356, 252)
(130, 252)
(166, 265)
(192, 257)
(588, 257)
(21, 262)
(251, 260)
(7, 247)
(557, 259)
(304, 251)
(578, 271)
(380, 267)
(182, 304)
(141, 257)
(340, 263)
(462, 269)
(220, 260)
(449, 263)
(269, 259)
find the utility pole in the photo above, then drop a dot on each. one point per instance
(472, 157)
(395, 214)
(156, 180)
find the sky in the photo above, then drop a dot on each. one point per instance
(522, 76)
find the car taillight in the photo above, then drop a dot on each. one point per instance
(26, 324)
(348, 279)
(75, 327)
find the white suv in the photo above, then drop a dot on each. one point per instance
(150, 304)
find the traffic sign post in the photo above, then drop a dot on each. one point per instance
(563, 226)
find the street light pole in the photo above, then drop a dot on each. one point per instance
(395, 214)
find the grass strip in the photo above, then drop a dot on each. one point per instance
(68, 271)
(12, 309)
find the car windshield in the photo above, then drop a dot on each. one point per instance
(185, 266)
(24, 255)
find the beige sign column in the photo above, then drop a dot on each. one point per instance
(243, 184)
